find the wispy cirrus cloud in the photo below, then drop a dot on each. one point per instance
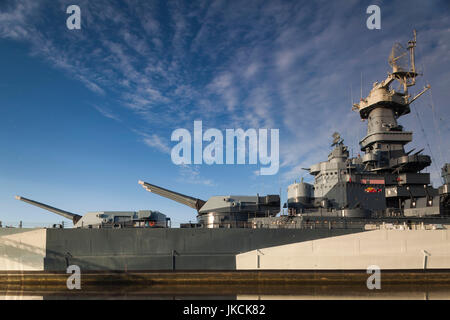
(191, 174)
(157, 142)
(277, 64)
(106, 113)
(154, 141)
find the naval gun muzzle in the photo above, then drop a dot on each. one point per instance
(69, 215)
(194, 203)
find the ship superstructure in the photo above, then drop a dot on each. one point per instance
(387, 180)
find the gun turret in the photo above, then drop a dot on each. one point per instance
(194, 203)
(223, 211)
(69, 215)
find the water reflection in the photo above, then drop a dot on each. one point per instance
(231, 292)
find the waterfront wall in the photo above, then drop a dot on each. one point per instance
(203, 249)
(164, 249)
(388, 249)
(22, 249)
(140, 249)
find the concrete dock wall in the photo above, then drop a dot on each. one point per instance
(388, 249)
(22, 249)
(239, 249)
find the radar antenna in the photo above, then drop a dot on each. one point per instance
(404, 67)
(337, 140)
(404, 71)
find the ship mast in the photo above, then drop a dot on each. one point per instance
(385, 139)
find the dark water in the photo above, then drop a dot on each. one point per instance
(233, 292)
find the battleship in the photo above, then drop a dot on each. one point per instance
(377, 209)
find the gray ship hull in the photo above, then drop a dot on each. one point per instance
(139, 249)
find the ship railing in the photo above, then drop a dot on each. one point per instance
(316, 224)
(34, 225)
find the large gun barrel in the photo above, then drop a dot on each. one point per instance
(178, 197)
(69, 215)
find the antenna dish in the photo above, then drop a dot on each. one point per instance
(399, 59)
(402, 61)
(337, 139)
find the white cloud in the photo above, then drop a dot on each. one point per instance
(191, 174)
(157, 142)
(277, 64)
(106, 113)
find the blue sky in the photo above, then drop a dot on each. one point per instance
(85, 114)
